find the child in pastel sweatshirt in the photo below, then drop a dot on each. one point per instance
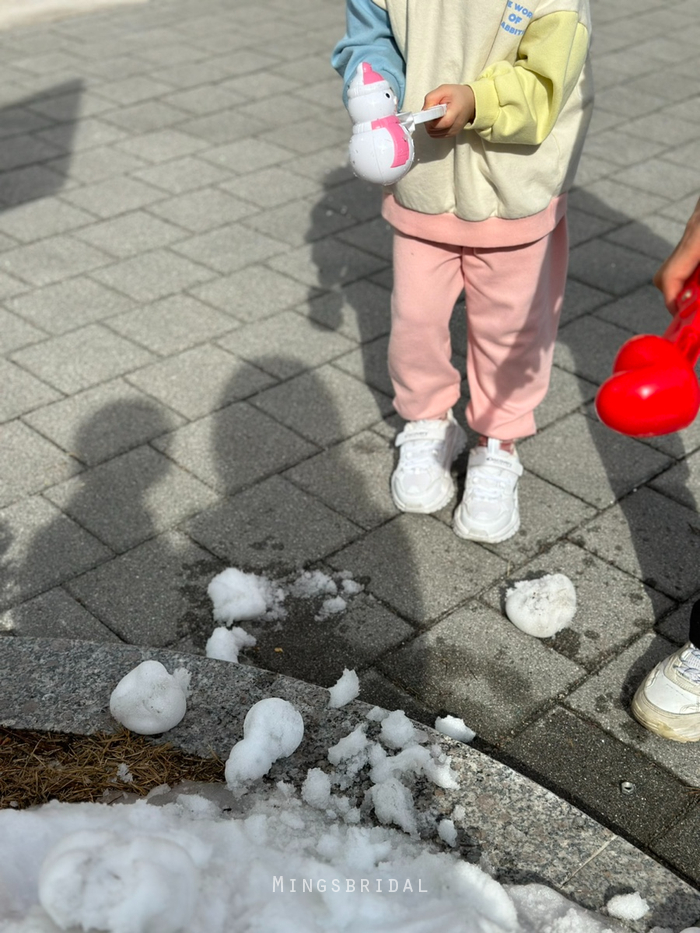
(484, 210)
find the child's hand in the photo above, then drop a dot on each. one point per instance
(681, 263)
(461, 109)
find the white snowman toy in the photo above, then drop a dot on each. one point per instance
(381, 147)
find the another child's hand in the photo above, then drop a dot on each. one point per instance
(671, 277)
(461, 109)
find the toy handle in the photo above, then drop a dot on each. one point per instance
(684, 329)
(412, 120)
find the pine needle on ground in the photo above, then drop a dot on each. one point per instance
(36, 767)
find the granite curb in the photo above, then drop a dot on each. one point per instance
(517, 830)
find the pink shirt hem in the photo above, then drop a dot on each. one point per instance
(494, 233)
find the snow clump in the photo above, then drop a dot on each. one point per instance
(542, 607)
(148, 700)
(272, 729)
(345, 689)
(224, 644)
(455, 728)
(627, 906)
(97, 881)
(237, 596)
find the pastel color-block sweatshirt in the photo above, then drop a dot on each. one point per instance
(503, 179)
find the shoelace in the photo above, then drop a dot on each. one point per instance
(419, 456)
(688, 665)
(488, 487)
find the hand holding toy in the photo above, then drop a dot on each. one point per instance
(653, 389)
(381, 147)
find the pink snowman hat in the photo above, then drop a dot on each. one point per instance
(366, 81)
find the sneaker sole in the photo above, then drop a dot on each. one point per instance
(674, 726)
(448, 492)
(508, 532)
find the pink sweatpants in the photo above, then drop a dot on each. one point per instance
(513, 301)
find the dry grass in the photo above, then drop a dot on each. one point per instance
(36, 767)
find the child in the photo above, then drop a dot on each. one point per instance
(484, 209)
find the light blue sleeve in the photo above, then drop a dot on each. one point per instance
(369, 38)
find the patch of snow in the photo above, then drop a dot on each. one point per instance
(542, 607)
(627, 906)
(455, 728)
(224, 644)
(272, 729)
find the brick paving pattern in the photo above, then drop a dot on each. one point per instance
(194, 308)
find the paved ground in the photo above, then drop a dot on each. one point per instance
(193, 324)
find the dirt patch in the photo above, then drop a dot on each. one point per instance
(36, 767)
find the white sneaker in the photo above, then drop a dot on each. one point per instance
(667, 701)
(422, 481)
(489, 509)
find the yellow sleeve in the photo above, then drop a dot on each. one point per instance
(520, 102)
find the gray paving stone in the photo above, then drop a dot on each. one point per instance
(172, 324)
(130, 234)
(16, 332)
(21, 391)
(436, 572)
(492, 678)
(209, 98)
(67, 305)
(145, 117)
(246, 155)
(273, 528)
(299, 222)
(94, 165)
(651, 537)
(352, 478)
(182, 175)
(202, 210)
(581, 299)
(113, 196)
(359, 310)
(51, 260)
(38, 219)
(88, 133)
(162, 145)
(606, 697)
(153, 275)
(623, 148)
(270, 187)
(641, 312)
(377, 690)
(594, 775)
(586, 459)
(324, 405)
(154, 594)
(201, 380)
(614, 268)
(368, 363)
(131, 498)
(327, 264)
(74, 361)
(103, 422)
(235, 447)
(133, 89)
(567, 393)
(612, 200)
(588, 346)
(656, 237)
(32, 182)
(674, 627)
(29, 463)
(681, 482)
(254, 293)
(42, 548)
(54, 615)
(285, 345)
(658, 177)
(229, 248)
(611, 607)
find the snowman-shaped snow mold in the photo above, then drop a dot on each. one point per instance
(381, 147)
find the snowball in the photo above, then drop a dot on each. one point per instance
(149, 700)
(237, 595)
(331, 606)
(627, 906)
(272, 729)
(397, 730)
(455, 728)
(393, 803)
(224, 644)
(316, 789)
(447, 832)
(542, 607)
(346, 688)
(377, 714)
(95, 880)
